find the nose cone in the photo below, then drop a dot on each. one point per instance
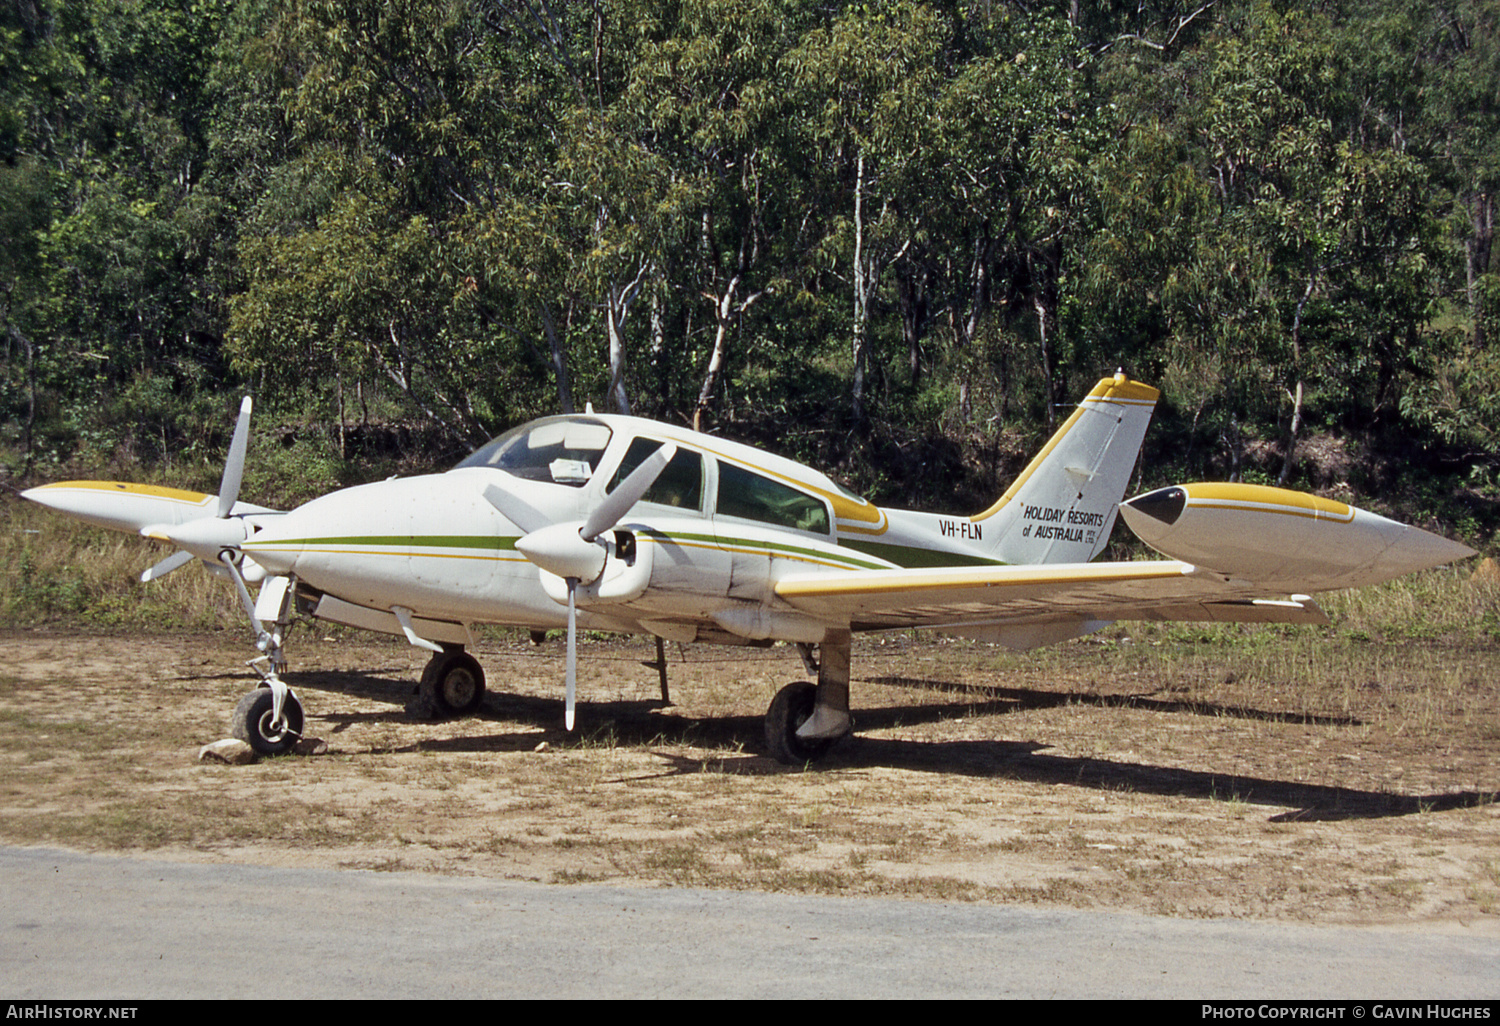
(355, 536)
(1412, 549)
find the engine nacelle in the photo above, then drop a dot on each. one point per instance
(625, 575)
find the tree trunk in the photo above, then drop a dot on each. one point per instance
(558, 359)
(1478, 248)
(1045, 353)
(860, 342)
(616, 321)
(1291, 436)
(912, 293)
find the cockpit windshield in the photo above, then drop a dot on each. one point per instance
(561, 450)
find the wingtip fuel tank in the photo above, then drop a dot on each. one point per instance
(119, 506)
(1275, 536)
(122, 506)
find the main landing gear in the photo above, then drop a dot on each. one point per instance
(452, 682)
(805, 720)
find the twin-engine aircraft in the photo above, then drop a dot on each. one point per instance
(612, 523)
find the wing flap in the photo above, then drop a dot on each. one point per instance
(1301, 610)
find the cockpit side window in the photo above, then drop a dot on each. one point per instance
(680, 484)
(560, 450)
(743, 493)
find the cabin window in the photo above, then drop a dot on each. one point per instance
(680, 484)
(744, 493)
(561, 450)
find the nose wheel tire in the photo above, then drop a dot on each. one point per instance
(252, 723)
(452, 683)
(792, 707)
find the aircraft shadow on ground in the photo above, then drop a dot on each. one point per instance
(1032, 698)
(639, 723)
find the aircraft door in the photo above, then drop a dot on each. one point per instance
(754, 517)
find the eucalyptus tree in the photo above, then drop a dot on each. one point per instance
(1461, 45)
(1275, 254)
(109, 286)
(865, 85)
(704, 91)
(424, 131)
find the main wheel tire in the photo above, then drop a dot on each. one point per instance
(792, 707)
(452, 683)
(251, 723)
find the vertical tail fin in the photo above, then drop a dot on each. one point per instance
(1063, 506)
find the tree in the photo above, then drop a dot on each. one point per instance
(1283, 250)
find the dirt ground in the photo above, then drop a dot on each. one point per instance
(1108, 773)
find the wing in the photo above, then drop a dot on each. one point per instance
(1246, 544)
(965, 598)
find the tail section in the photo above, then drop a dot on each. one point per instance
(1063, 506)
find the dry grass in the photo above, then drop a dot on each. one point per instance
(1163, 774)
(56, 569)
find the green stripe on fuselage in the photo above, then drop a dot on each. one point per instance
(770, 548)
(908, 556)
(911, 557)
(408, 541)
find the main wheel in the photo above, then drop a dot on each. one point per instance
(792, 707)
(452, 683)
(251, 723)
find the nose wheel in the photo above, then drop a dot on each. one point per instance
(452, 682)
(255, 722)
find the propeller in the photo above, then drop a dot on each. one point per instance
(234, 463)
(574, 551)
(206, 537)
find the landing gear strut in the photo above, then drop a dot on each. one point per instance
(806, 720)
(452, 682)
(268, 719)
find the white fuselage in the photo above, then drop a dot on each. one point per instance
(436, 546)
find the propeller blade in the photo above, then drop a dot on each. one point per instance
(627, 493)
(234, 464)
(179, 558)
(517, 511)
(572, 673)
